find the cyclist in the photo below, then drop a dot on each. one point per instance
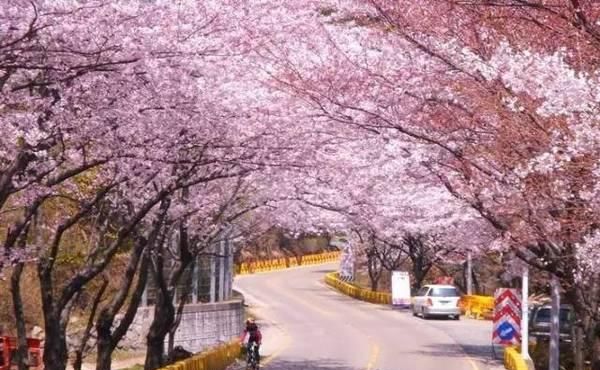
(254, 336)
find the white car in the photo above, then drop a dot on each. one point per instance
(437, 300)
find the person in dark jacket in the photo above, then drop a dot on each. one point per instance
(254, 336)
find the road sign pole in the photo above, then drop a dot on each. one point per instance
(525, 315)
(469, 274)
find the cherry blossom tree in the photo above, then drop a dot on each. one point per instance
(87, 103)
(541, 192)
(109, 119)
(463, 120)
(505, 108)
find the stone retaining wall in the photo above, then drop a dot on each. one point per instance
(202, 326)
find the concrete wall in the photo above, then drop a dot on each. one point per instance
(202, 326)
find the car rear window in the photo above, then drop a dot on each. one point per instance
(443, 292)
(422, 292)
(544, 314)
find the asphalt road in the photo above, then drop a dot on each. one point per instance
(307, 325)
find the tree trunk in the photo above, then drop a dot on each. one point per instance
(55, 349)
(177, 321)
(104, 346)
(476, 284)
(373, 267)
(164, 315)
(418, 253)
(374, 284)
(578, 346)
(374, 275)
(108, 338)
(164, 309)
(419, 273)
(22, 350)
(583, 327)
(171, 341)
(416, 285)
(155, 353)
(596, 348)
(78, 361)
(104, 355)
(58, 302)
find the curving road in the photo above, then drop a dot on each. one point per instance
(309, 326)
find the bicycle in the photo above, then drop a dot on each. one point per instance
(252, 360)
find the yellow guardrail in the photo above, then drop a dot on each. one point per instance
(218, 358)
(286, 262)
(477, 306)
(513, 359)
(357, 292)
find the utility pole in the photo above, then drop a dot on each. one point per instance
(213, 274)
(222, 267)
(553, 362)
(525, 315)
(469, 274)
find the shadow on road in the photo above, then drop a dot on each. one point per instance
(436, 318)
(481, 353)
(299, 365)
(307, 365)
(323, 271)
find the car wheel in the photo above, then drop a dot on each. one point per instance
(456, 317)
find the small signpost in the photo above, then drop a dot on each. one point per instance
(507, 317)
(401, 289)
(347, 259)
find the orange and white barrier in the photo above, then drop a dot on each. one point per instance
(477, 306)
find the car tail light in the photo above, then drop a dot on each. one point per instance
(429, 302)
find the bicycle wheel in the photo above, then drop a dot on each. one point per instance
(251, 363)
